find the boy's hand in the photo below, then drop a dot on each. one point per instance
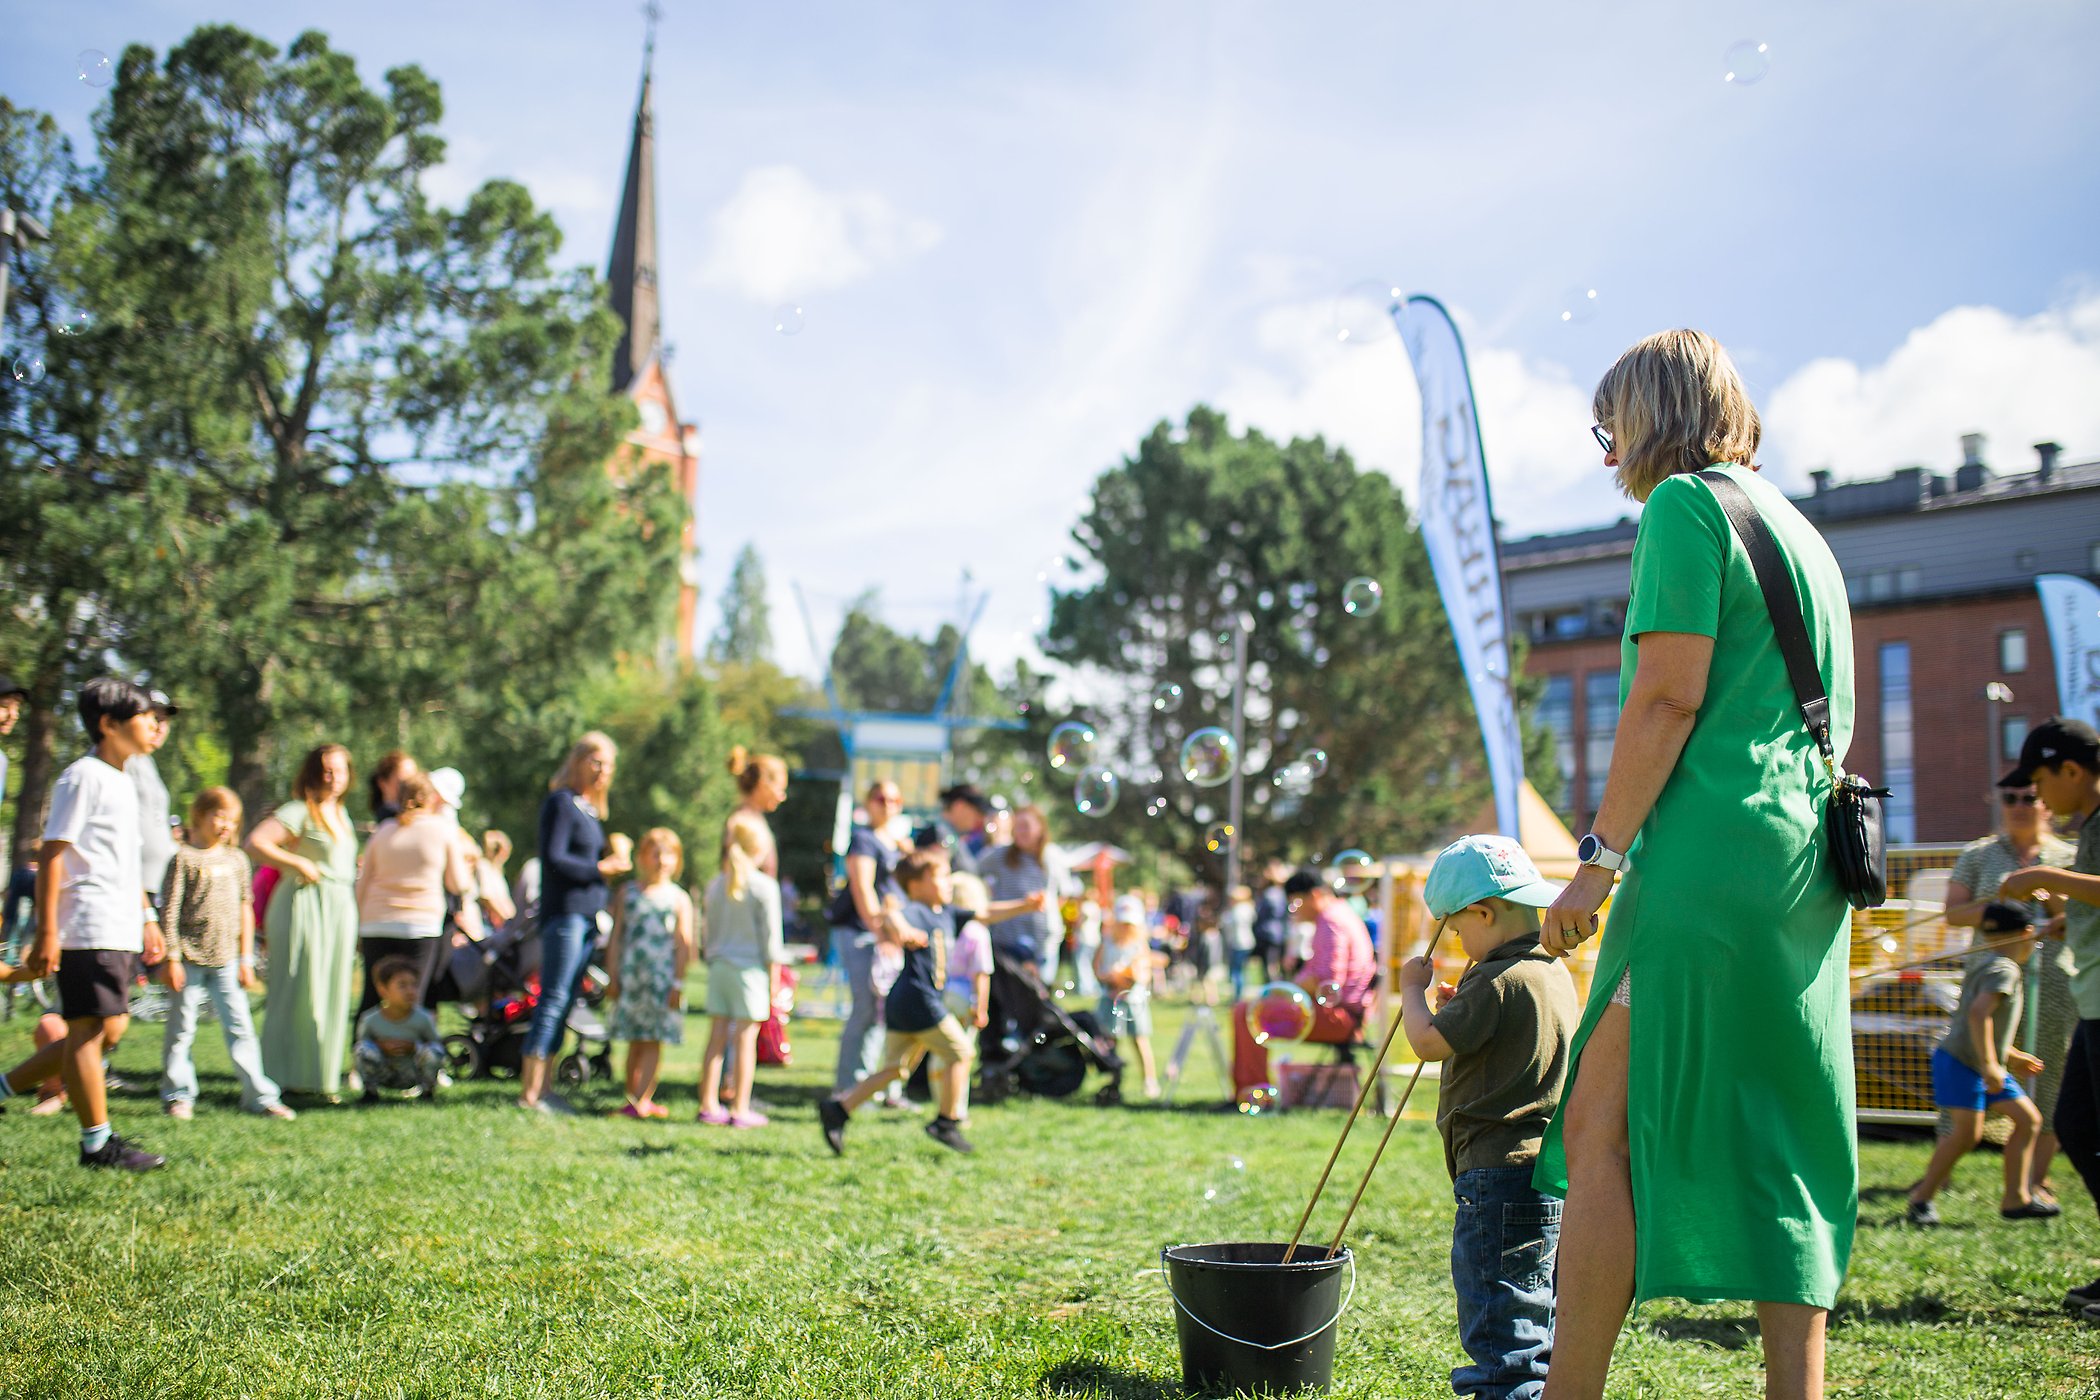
(43, 955)
(1036, 903)
(982, 1019)
(2024, 884)
(909, 937)
(249, 981)
(1994, 1078)
(153, 946)
(1444, 992)
(2020, 1062)
(174, 974)
(1417, 973)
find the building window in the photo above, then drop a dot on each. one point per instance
(1855, 589)
(1600, 725)
(2012, 732)
(1900, 816)
(1879, 586)
(2012, 650)
(1906, 581)
(1556, 713)
(1569, 626)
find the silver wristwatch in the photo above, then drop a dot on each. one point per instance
(1591, 850)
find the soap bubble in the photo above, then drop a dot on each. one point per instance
(1746, 62)
(1156, 807)
(1167, 698)
(1578, 306)
(72, 320)
(92, 67)
(1327, 994)
(787, 319)
(1361, 597)
(1314, 762)
(1224, 1182)
(1209, 757)
(1126, 1013)
(1220, 838)
(1258, 1099)
(1362, 313)
(1095, 794)
(1352, 872)
(1292, 778)
(29, 369)
(1279, 1011)
(1071, 745)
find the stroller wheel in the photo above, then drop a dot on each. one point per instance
(573, 1069)
(1108, 1096)
(463, 1057)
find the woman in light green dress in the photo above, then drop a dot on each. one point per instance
(311, 927)
(1705, 1143)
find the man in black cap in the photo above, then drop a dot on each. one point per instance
(2061, 759)
(964, 808)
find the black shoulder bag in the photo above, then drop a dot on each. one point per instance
(1852, 823)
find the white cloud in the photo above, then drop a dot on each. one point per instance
(2019, 380)
(782, 236)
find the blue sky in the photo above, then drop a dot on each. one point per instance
(1020, 234)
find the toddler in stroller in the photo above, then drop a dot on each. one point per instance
(499, 981)
(1033, 1045)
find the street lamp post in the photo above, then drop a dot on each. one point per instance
(1996, 696)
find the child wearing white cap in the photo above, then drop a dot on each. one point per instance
(1502, 1034)
(1123, 965)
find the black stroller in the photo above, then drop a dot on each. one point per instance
(1033, 1045)
(502, 974)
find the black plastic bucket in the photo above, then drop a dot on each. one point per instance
(1247, 1321)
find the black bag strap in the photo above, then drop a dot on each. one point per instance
(1777, 585)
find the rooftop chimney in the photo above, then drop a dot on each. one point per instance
(1972, 473)
(2045, 463)
(1821, 479)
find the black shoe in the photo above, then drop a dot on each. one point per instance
(832, 1116)
(369, 1096)
(121, 1155)
(1921, 1214)
(2034, 1210)
(948, 1133)
(2079, 1299)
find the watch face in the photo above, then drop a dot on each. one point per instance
(1586, 850)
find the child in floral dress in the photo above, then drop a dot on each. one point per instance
(652, 945)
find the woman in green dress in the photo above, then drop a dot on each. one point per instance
(311, 926)
(1706, 1143)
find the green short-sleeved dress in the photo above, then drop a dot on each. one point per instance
(312, 933)
(1739, 1082)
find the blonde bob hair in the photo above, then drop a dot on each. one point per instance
(570, 775)
(1674, 403)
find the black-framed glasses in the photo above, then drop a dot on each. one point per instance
(2020, 799)
(1602, 434)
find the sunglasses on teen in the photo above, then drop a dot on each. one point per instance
(2020, 799)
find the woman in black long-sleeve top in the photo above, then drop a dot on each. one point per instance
(576, 860)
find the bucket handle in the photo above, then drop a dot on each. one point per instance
(1261, 1346)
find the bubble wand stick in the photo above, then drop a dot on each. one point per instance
(1377, 1066)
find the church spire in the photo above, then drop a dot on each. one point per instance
(631, 270)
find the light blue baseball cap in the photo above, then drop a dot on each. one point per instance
(1474, 868)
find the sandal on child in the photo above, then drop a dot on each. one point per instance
(715, 1117)
(2033, 1210)
(748, 1120)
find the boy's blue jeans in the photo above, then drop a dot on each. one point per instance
(1502, 1248)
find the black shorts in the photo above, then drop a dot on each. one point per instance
(95, 982)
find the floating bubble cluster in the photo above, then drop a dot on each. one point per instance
(1258, 1099)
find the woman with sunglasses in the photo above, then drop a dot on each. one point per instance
(2025, 841)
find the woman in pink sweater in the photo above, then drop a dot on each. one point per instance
(409, 865)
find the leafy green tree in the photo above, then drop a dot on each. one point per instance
(746, 633)
(1201, 526)
(327, 458)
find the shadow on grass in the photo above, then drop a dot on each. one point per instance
(1097, 1378)
(1739, 1333)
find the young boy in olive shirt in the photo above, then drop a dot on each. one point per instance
(1502, 1034)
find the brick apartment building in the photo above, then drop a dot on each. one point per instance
(1940, 569)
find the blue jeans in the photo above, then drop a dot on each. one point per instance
(860, 1038)
(565, 948)
(221, 986)
(1502, 1248)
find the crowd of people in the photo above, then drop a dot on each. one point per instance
(1598, 1158)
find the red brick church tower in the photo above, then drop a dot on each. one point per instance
(640, 367)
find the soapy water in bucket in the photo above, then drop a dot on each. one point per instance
(1279, 1011)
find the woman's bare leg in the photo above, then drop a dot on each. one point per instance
(746, 1065)
(1594, 1275)
(644, 1064)
(711, 1068)
(1793, 1335)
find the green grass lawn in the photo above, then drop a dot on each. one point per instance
(467, 1249)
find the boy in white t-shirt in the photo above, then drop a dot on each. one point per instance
(93, 919)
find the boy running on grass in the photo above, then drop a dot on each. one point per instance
(914, 1017)
(93, 921)
(1502, 1034)
(2061, 761)
(1973, 1068)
